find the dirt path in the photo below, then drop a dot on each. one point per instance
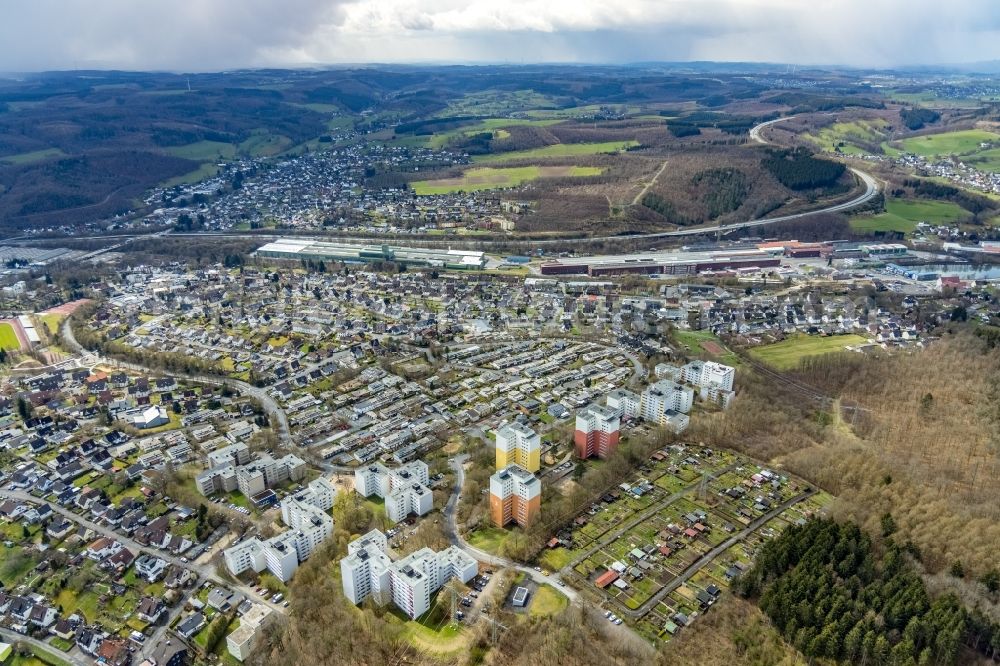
(642, 192)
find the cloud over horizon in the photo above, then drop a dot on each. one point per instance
(206, 35)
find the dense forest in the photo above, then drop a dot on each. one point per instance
(797, 169)
(915, 119)
(831, 594)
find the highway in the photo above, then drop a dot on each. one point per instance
(869, 182)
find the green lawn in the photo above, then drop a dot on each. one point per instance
(490, 539)
(488, 178)
(548, 601)
(201, 151)
(903, 214)
(52, 321)
(433, 631)
(558, 150)
(33, 156)
(786, 354)
(8, 339)
(555, 559)
(948, 143)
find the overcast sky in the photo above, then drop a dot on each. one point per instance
(207, 35)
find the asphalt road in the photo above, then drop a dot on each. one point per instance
(274, 411)
(13, 637)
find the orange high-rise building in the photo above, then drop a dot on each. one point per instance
(515, 496)
(597, 432)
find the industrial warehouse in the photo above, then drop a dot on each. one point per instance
(665, 263)
(298, 249)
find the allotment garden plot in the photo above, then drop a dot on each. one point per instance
(661, 549)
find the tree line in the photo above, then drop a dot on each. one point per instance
(833, 596)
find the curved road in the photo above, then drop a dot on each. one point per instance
(274, 411)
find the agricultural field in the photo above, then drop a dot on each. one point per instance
(963, 142)
(786, 354)
(497, 126)
(203, 172)
(496, 103)
(558, 150)
(33, 156)
(8, 339)
(489, 178)
(902, 215)
(263, 143)
(203, 151)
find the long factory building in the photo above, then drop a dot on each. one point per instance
(663, 263)
(298, 249)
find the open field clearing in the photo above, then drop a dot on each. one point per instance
(34, 156)
(903, 215)
(203, 150)
(848, 135)
(439, 140)
(787, 353)
(948, 143)
(559, 150)
(264, 144)
(206, 170)
(488, 178)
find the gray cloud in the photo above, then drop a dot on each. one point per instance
(197, 35)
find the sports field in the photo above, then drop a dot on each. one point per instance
(949, 143)
(558, 150)
(786, 354)
(488, 178)
(903, 214)
(8, 339)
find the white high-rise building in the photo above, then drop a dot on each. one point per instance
(517, 444)
(709, 374)
(404, 489)
(409, 583)
(309, 525)
(664, 396)
(625, 402)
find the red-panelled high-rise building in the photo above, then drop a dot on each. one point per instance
(597, 431)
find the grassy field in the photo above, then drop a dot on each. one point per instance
(263, 143)
(34, 156)
(786, 354)
(490, 539)
(558, 150)
(488, 178)
(52, 321)
(433, 631)
(848, 134)
(203, 150)
(986, 160)
(439, 140)
(903, 214)
(948, 143)
(8, 339)
(694, 341)
(206, 170)
(548, 601)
